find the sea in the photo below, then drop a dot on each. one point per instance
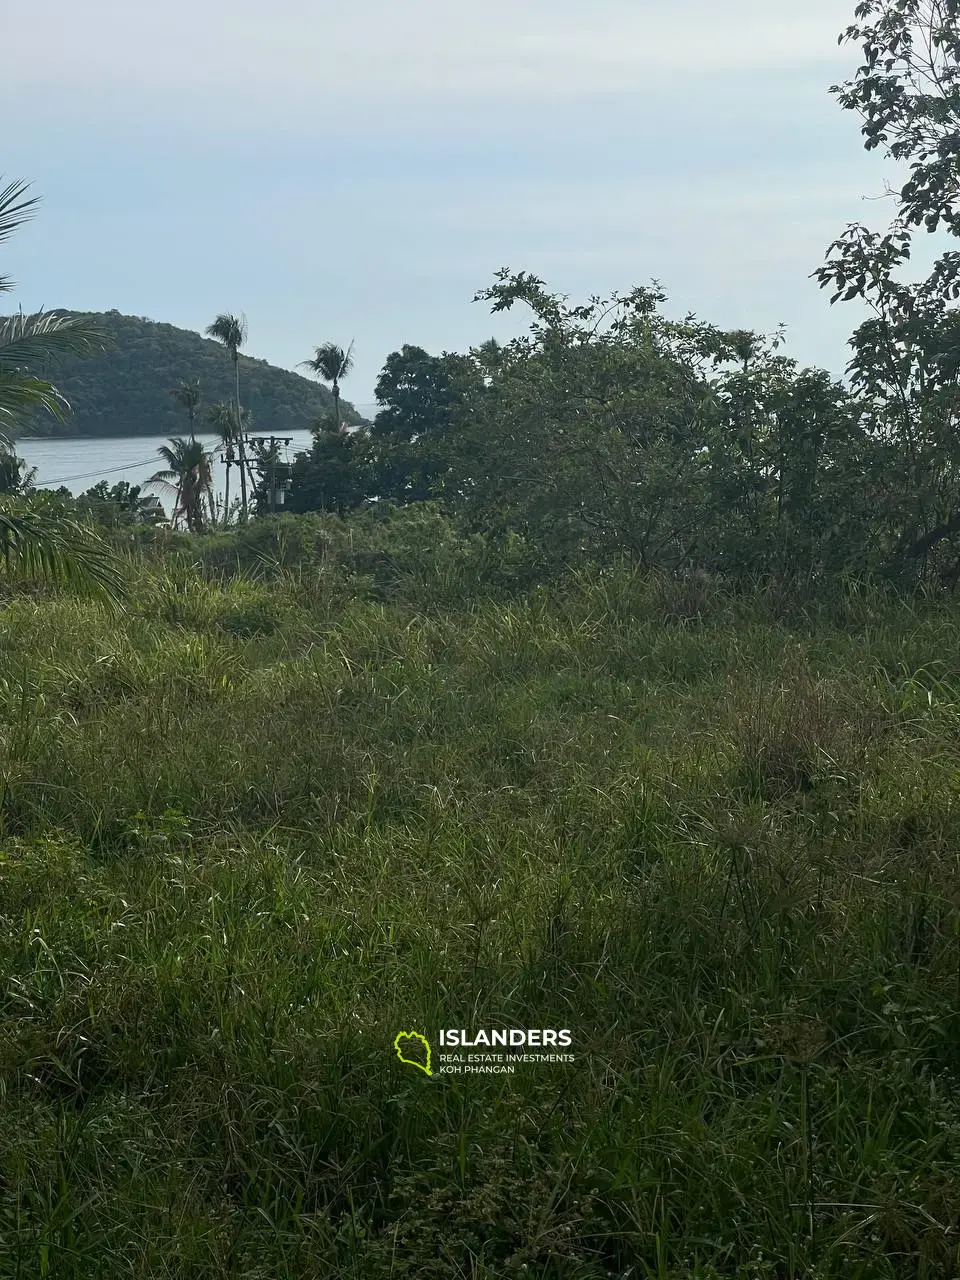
(79, 464)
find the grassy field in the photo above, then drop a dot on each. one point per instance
(267, 820)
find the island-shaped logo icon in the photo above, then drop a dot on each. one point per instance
(412, 1042)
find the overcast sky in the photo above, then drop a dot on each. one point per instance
(360, 170)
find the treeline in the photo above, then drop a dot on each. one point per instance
(608, 431)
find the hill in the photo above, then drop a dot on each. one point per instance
(126, 391)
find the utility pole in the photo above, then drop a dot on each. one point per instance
(273, 442)
(228, 460)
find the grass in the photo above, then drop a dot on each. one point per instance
(268, 820)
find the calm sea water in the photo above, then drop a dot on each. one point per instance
(80, 464)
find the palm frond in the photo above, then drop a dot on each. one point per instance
(330, 362)
(32, 339)
(183, 458)
(172, 454)
(29, 340)
(21, 395)
(36, 544)
(223, 418)
(14, 210)
(188, 394)
(230, 330)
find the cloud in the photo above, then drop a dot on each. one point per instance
(243, 60)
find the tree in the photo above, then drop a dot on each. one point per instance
(906, 357)
(223, 420)
(336, 475)
(330, 363)
(231, 331)
(790, 472)
(189, 476)
(189, 395)
(421, 398)
(586, 434)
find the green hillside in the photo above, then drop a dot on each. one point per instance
(126, 391)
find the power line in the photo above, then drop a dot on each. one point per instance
(101, 471)
(127, 466)
(107, 471)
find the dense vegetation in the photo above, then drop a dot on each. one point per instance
(609, 681)
(126, 390)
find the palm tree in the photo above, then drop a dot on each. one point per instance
(231, 331)
(189, 476)
(222, 418)
(31, 540)
(330, 363)
(189, 395)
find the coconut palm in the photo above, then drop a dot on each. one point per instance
(231, 331)
(189, 476)
(189, 395)
(32, 540)
(330, 363)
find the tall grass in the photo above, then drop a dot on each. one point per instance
(274, 816)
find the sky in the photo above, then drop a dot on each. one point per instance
(359, 171)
